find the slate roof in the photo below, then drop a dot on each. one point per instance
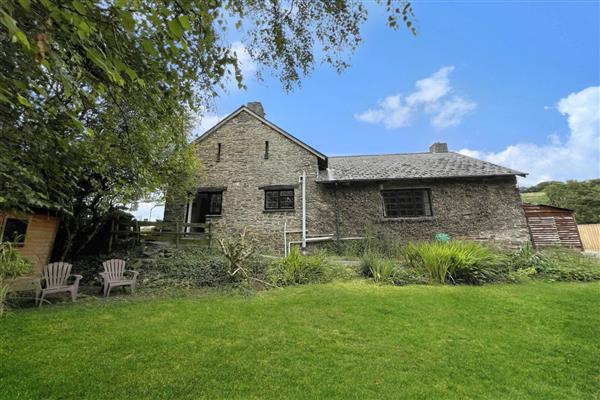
(409, 166)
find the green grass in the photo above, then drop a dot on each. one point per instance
(535, 198)
(351, 340)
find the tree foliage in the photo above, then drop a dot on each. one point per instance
(97, 99)
(583, 197)
(540, 187)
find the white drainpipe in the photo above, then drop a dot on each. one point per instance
(303, 179)
(189, 215)
(285, 247)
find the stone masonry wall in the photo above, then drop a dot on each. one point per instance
(475, 209)
(242, 169)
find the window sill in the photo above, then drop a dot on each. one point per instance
(213, 215)
(279, 211)
(407, 219)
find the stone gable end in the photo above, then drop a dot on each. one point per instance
(242, 169)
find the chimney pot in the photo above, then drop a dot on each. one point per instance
(256, 108)
(438, 147)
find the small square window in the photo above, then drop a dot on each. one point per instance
(279, 199)
(406, 203)
(14, 230)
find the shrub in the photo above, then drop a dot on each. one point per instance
(12, 265)
(526, 258)
(567, 265)
(374, 243)
(381, 269)
(184, 268)
(522, 274)
(404, 275)
(237, 251)
(463, 262)
(89, 267)
(190, 267)
(298, 269)
(367, 263)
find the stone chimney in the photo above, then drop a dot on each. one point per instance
(438, 147)
(256, 108)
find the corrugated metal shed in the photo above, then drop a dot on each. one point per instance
(552, 226)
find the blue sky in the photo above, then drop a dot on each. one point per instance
(516, 83)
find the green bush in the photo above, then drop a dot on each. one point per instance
(89, 267)
(567, 265)
(526, 257)
(12, 265)
(460, 262)
(381, 269)
(374, 243)
(187, 268)
(521, 275)
(298, 269)
(404, 275)
(386, 270)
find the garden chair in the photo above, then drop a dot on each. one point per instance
(55, 279)
(114, 275)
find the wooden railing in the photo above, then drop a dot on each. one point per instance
(144, 230)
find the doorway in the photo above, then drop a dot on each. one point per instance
(203, 205)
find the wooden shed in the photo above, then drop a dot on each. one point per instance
(33, 235)
(552, 226)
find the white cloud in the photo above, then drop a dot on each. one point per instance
(430, 97)
(431, 89)
(391, 113)
(578, 157)
(451, 112)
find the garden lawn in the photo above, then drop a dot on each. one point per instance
(351, 340)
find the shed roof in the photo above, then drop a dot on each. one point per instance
(409, 166)
(536, 207)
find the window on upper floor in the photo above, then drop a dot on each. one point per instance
(406, 203)
(279, 199)
(218, 151)
(14, 230)
(266, 149)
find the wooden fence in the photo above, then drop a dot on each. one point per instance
(160, 230)
(590, 236)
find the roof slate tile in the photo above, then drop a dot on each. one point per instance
(409, 166)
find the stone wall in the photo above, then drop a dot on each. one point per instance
(476, 209)
(243, 170)
(480, 209)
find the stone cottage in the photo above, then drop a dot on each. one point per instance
(261, 178)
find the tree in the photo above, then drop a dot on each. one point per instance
(538, 188)
(97, 98)
(583, 197)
